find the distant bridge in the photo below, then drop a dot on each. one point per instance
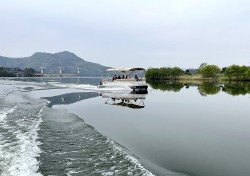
(56, 75)
(60, 74)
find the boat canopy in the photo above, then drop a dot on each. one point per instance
(124, 69)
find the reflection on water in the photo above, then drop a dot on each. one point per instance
(208, 89)
(166, 85)
(124, 99)
(178, 129)
(237, 88)
(204, 88)
(70, 98)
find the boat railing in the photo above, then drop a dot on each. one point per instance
(125, 80)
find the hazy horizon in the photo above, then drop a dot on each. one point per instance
(183, 33)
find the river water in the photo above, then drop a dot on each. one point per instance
(68, 127)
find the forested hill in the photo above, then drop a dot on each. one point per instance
(69, 61)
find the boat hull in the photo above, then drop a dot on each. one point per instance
(140, 88)
(135, 86)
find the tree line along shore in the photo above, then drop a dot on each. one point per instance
(17, 72)
(204, 72)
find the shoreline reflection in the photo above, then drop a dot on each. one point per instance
(204, 88)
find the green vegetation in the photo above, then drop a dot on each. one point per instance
(16, 72)
(5, 73)
(29, 72)
(236, 72)
(205, 72)
(163, 73)
(209, 71)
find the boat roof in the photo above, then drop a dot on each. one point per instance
(124, 69)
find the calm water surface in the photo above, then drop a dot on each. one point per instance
(192, 129)
(196, 129)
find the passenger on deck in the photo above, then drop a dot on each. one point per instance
(136, 77)
(119, 77)
(123, 76)
(114, 77)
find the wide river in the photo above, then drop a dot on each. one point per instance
(68, 127)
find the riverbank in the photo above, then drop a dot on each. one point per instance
(199, 77)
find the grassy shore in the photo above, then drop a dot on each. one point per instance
(218, 78)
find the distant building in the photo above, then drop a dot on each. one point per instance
(192, 71)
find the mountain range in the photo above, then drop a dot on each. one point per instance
(67, 60)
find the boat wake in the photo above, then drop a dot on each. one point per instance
(19, 146)
(36, 140)
(92, 87)
(80, 149)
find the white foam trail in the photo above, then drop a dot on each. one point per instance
(104, 89)
(20, 158)
(84, 86)
(27, 162)
(92, 87)
(58, 84)
(5, 112)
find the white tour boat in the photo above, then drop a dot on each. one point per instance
(126, 78)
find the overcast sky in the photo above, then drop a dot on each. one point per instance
(130, 33)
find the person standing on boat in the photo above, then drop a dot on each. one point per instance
(136, 77)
